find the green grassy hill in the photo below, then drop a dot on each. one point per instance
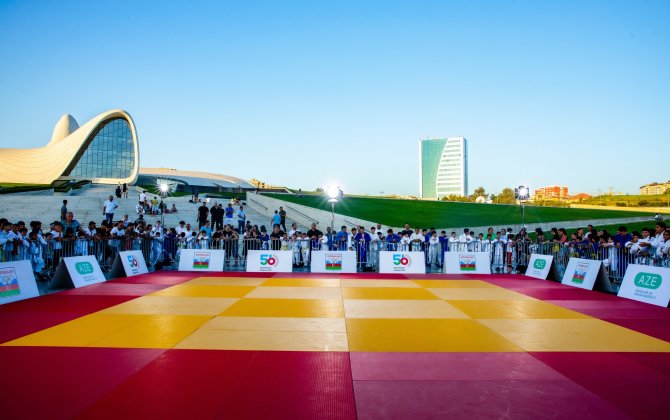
(392, 212)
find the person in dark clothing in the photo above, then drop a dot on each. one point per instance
(203, 212)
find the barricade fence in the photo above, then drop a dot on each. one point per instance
(164, 252)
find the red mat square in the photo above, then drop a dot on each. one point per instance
(290, 385)
(18, 324)
(55, 382)
(630, 386)
(479, 400)
(178, 384)
(171, 279)
(116, 289)
(563, 293)
(449, 366)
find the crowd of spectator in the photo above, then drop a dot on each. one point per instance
(225, 226)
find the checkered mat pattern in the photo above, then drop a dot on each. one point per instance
(321, 346)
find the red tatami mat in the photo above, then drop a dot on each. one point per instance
(633, 387)
(55, 382)
(479, 400)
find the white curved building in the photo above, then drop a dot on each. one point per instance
(104, 150)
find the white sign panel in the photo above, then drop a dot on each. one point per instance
(17, 281)
(581, 273)
(129, 263)
(333, 262)
(646, 284)
(78, 272)
(201, 259)
(269, 261)
(539, 266)
(402, 262)
(467, 263)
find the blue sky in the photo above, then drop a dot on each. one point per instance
(307, 93)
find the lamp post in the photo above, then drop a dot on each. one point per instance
(333, 194)
(522, 193)
(165, 187)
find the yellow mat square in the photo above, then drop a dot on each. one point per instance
(386, 293)
(224, 281)
(79, 332)
(378, 283)
(289, 308)
(265, 340)
(418, 308)
(424, 335)
(305, 292)
(518, 309)
(172, 305)
(243, 323)
(455, 284)
(205, 291)
(153, 331)
(297, 282)
(484, 293)
(574, 335)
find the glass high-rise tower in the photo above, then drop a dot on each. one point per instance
(444, 167)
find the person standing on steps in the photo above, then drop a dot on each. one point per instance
(203, 212)
(282, 217)
(108, 209)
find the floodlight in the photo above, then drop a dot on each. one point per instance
(522, 192)
(332, 192)
(164, 188)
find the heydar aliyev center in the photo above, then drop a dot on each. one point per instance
(104, 150)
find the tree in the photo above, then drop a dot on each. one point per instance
(479, 192)
(506, 196)
(319, 190)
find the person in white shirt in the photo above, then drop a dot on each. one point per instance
(181, 228)
(143, 197)
(453, 242)
(464, 240)
(293, 231)
(663, 250)
(657, 240)
(404, 243)
(416, 239)
(108, 209)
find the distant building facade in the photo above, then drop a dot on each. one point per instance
(104, 150)
(654, 188)
(553, 192)
(444, 167)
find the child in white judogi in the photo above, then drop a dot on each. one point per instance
(434, 249)
(304, 248)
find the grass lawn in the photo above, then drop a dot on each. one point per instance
(392, 212)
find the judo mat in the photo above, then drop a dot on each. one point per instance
(367, 346)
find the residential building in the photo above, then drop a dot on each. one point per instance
(552, 192)
(444, 167)
(654, 188)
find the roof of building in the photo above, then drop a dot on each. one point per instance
(44, 165)
(197, 178)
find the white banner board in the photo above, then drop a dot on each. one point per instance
(128, 264)
(584, 274)
(333, 262)
(17, 281)
(539, 266)
(646, 284)
(402, 262)
(269, 261)
(467, 263)
(201, 259)
(77, 272)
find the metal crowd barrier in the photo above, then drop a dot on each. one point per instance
(164, 253)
